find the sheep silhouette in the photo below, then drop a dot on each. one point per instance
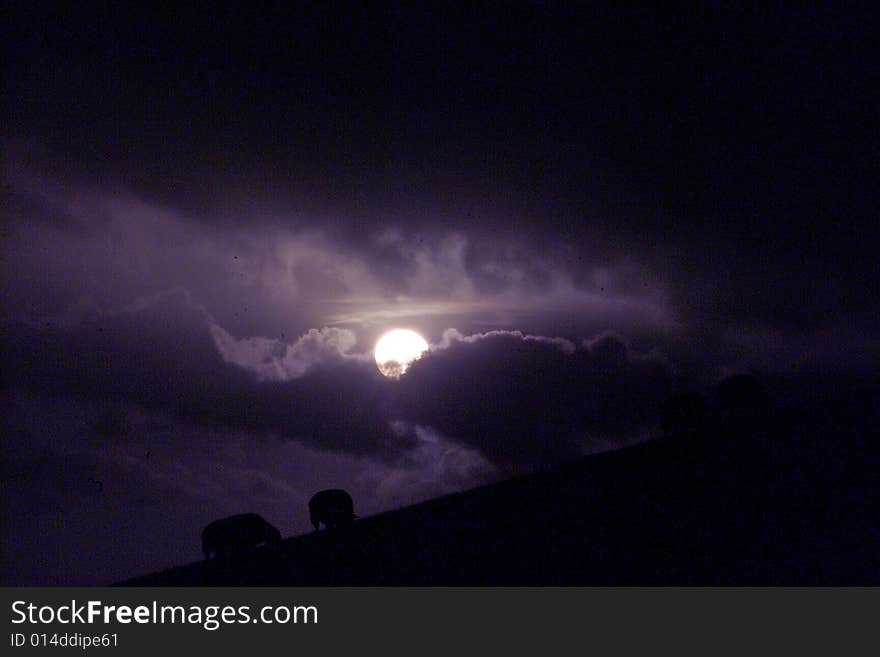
(333, 507)
(236, 534)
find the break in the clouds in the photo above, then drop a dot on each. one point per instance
(171, 357)
(264, 321)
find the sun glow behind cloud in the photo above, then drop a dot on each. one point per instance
(396, 350)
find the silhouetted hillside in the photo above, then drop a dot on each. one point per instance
(793, 503)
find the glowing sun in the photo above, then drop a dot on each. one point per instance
(396, 350)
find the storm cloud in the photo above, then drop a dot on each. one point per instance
(526, 399)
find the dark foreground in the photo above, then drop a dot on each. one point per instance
(794, 503)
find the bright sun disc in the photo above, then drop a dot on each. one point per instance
(396, 350)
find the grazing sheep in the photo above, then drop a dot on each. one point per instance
(333, 507)
(237, 534)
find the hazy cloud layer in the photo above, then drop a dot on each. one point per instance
(71, 248)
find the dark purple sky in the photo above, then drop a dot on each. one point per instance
(209, 217)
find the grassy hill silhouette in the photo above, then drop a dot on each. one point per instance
(783, 504)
